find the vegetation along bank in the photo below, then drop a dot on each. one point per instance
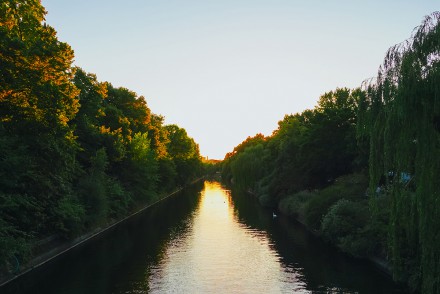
(76, 153)
(362, 168)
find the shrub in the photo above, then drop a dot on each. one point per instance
(346, 226)
(14, 247)
(346, 187)
(70, 214)
(294, 205)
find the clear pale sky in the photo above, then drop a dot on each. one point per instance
(225, 70)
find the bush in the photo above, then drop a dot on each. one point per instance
(70, 215)
(346, 187)
(119, 199)
(14, 247)
(346, 226)
(294, 205)
(265, 200)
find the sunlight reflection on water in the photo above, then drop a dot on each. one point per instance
(213, 241)
(221, 255)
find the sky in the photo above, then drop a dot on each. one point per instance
(225, 70)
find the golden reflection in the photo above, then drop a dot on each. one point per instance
(220, 255)
(215, 204)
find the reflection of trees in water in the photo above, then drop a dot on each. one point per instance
(306, 256)
(127, 257)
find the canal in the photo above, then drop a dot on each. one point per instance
(205, 239)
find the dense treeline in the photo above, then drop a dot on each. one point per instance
(76, 153)
(402, 120)
(307, 151)
(317, 165)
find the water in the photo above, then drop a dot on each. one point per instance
(204, 240)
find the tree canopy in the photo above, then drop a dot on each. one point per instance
(401, 118)
(76, 153)
(389, 127)
(307, 151)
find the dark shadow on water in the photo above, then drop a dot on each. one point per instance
(118, 260)
(300, 251)
(123, 259)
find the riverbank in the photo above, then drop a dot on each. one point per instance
(378, 262)
(219, 235)
(53, 247)
(341, 214)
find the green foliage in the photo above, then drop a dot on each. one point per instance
(295, 205)
(329, 145)
(139, 173)
(18, 209)
(76, 153)
(211, 167)
(37, 103)
(158, 135)
(307, 151)
(120, 200)
(402, 122)
(343, 216)
(180, 145)
(185, 154)
(93, 190)
(398, 116)
(346, 226)
(70, 214)
(250, 141)
(248, 166)
(168, 174)
(345, 187)
(14, 247)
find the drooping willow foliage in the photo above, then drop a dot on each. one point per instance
(401, 115)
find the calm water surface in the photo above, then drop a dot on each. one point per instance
(206, 239)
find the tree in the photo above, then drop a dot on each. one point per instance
(37, 103)
(139, 172)
(184, 152)
(89, 120)
(308, 150)
(329, 148)
(248, 166)
(312, 148)
(403, 126)
(75, 152)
